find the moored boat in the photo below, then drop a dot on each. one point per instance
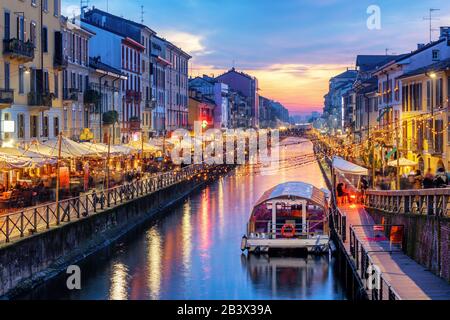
(291, 215)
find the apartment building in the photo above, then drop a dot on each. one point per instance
(75, 76)
(219, 93)
(159, 65)
(176, 113)
(247, 86)
(103, 101)
(30, 71)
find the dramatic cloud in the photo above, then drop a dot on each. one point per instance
(191, 43)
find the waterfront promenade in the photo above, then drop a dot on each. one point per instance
(401, 277)
(29, 221)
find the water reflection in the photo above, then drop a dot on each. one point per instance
(291, 277)
(154, 268)
(193, 251)
(119, 282)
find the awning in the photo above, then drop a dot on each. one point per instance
(69, 149)
(15, 158)
(138, 146)
(103, 148)
(347, 167)
(403, 162)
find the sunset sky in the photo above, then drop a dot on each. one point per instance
(292, 46)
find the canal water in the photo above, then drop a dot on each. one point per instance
(193, 251)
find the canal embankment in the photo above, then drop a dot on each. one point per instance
(349, 277)
(29, 261)
(426, 238)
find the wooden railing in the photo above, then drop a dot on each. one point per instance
(433, 202)
(29, 221)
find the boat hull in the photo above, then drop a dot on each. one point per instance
(315, 245)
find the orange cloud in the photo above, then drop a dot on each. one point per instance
(298, 86)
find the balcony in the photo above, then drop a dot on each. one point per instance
(6, 97)
(150, 104)
(132, 95)
(70, 94)
(40, 99)
(60, 62)
(134, 124)
(18, 49)
(92, 96)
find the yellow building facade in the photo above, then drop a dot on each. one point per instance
(31, 61)
(424, 121)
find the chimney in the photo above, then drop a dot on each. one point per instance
(445, 33)
(420, 46)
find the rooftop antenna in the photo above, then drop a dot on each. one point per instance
(107, 5)
(142, 14)
(430, 18)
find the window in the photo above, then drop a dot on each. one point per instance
(21, 80)
(33, 32)
(7, 30)
(45, 5)
(45, 127)
(56, 85)
(55, 126)
(45, 39)
(34, 126)
(20, 126)
(33, 3)
(439, 93)
(80, 83)
(428, 95)
(46, 82)
(397, 90)
(20, 28)
(435, 55)
(56, 8)
(7, 76)
(65, 118)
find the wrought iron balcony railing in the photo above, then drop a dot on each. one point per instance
(6, 96)
(40, 99)
(18, 49)
(60, 61)
(70, 94)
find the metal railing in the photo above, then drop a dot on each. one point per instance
(6, 96)
(374, 281)
(433, 202)
(28, 221)
(18, 48)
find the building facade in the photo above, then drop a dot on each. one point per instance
(176, 113)
(30, 71)
(75, 77)
(247, 86)
(219, 93)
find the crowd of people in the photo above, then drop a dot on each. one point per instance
(413, 180)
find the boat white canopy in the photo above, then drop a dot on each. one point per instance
(295, 189)
(346, 167)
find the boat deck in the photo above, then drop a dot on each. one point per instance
(409, 280)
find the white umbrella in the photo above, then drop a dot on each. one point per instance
(402, 162)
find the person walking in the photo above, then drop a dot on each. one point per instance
(418, 179)
(441, 179)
